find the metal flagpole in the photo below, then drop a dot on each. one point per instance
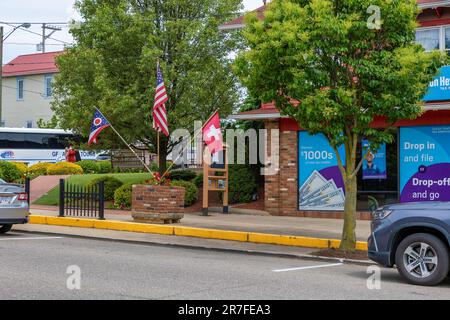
(182, 150)
(157, 144)
(129, 147)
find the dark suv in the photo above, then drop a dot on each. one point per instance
(415, 237)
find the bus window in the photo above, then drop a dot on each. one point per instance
(12, 140)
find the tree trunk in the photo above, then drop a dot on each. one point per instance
(348, 241)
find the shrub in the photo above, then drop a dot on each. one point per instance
(104, 166)
(111, 185)
(128, 170)
(185, 175)
(191, 191)
(89, 166)
(9, 172)
(242, 184)
(64, 168)
(38, 169)
(198, 180)
(23, 168)
(122, 196)
(154, 167)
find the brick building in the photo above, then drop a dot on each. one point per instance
(403, 166)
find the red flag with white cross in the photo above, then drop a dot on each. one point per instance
(212, 134)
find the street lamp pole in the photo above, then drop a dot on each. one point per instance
(25, 25)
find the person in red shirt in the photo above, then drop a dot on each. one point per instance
(70, 155)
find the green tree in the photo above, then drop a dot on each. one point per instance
(51, 124)
(112, 66)
(344, 72)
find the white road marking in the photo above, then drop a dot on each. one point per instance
(310, 267)
(30, 238)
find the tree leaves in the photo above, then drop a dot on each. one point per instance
(112, 66)
(322, 53)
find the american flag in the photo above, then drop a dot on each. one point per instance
(159, 107)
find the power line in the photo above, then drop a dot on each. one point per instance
(32, 44)
(25, 90)
(33, 32)
(59, 23)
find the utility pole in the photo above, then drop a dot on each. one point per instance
(44, 36)
(2, 40)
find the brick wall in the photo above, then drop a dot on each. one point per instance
(271, 182)
(157, 199)
(281, 189)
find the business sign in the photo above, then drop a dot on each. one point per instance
(320, 182)
(374, 163)
(439, 88)
(425, 163)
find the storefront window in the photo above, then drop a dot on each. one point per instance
(428, 38)
(320, 183)
(447, 40)
(384, 187)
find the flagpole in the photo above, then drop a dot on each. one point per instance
(129, 147)
(157, 150)
(195, 135)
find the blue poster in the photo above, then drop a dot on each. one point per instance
(320, 181)
(374, 163)
(439, 87)
(424, 163)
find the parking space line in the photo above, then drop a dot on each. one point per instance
(310, 267)
(30, 238)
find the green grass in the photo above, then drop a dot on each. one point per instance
(52, 197)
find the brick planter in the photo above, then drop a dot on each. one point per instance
(157, 203)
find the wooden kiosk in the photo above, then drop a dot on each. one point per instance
(215, 177)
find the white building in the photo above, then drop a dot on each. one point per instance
(27, 90)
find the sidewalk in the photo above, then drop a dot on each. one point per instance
(295, 226)
(43, 184)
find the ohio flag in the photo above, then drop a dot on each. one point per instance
(98, 124)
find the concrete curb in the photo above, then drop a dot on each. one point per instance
(242, 236)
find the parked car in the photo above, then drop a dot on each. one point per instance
(13, 205)
(103, 156)
(414, 237)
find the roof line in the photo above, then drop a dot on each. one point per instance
(435, 4)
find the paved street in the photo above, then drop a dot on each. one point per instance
(34, 266)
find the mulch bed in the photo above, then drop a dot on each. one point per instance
(335, 253)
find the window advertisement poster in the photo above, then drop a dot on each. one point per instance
(321, 187)
(425, 163)
(374, 163)
(439, 87)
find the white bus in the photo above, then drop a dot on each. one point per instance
(32, 145)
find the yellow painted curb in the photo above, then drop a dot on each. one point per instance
(241, 236)
(211, 233)
(361, 245)
(288, 240)
(37, 219)
(133, 227)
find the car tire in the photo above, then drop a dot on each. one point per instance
(5, 228)
(422, 259)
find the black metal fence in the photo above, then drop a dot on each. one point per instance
(81, 201)
(27, 189)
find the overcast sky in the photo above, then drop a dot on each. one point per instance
(53, 11)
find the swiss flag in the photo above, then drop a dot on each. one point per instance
(212, 134)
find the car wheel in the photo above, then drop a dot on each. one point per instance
(422, 259)
(5, 228)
